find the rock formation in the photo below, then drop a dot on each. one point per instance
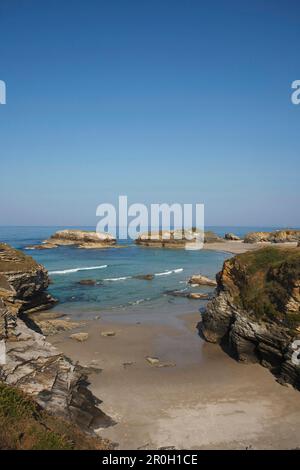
(30, 362)
(175, 238)
(278, 236)
(200, 280)
(256, 312)
(231, 236)
(27, 279)
(79, 238)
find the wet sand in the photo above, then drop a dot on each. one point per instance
(200, 399)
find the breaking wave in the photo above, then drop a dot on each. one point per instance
(167, 273)
(75, 270)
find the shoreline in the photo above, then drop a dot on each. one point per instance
(238, 247)
(197, 398)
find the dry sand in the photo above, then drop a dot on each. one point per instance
(238, 246)
(206, 400)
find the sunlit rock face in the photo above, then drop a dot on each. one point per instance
(28, 361)
(256, 311)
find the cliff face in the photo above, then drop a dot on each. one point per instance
(28, 279)
(28, 361)
(256, 312)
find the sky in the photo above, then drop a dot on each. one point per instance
(162, 101)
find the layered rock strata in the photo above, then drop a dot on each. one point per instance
(79, 238)
(256, 311)
(27, 360)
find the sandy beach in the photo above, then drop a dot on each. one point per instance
(237, 247)
(195, 397)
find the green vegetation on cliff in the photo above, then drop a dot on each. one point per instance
(266, 282)
(24, 425)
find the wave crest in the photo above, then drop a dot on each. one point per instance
(75, 270)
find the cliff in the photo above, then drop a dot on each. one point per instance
(27, 360)
(256, 311)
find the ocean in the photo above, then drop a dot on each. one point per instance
(116, 290)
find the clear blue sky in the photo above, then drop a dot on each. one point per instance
(162, 100)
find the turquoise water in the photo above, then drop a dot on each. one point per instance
(113, 270)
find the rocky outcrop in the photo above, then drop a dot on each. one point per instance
(256, 312)
(144, 277)
(278, 236)
(176, 238)
(28, 361)
(187, 294)
(24, 425)
(231, 236)
(200, 280)
(28, 279)
(79, 238)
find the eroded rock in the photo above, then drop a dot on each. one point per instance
(200, 280)
(256, 311)
(79, 238)
(31, 363)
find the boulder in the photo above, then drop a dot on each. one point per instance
(80, 336)
(144, 277)
(231, 236)
(154, 361)
(197, 296)
(87, 282)
(198, 279)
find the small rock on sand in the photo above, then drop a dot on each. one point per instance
(80, 336)
(154, 361)
(127, 364)
(108, 333)
(197, 295)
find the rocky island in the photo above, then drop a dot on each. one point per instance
(256, 312)
(175, 238)
(79, 238)
(28, 362)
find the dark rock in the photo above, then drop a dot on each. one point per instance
(87, 282)
(231, 236)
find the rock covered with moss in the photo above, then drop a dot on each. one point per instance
(256, 311)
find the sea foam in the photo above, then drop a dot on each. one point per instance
(167, 273)
(75, 270)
